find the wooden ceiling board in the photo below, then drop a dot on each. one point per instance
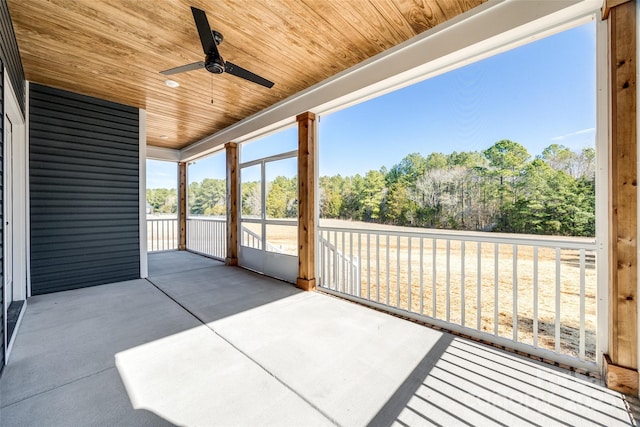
(114, 49)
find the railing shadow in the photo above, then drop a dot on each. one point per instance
(398, 402)
(460, 382)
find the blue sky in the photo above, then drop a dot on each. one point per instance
(538, 94)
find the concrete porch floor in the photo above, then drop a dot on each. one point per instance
(201, 344)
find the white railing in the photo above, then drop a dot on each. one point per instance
(337, 267)
(251, 239)
(162, 234)
(532, 293)
(207, 236)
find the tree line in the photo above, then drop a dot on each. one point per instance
(502, 188)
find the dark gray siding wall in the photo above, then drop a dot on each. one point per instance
(84, 193)
(10, 55)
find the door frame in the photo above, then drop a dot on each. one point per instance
(7, 215)
(19, 207)
(280, 266)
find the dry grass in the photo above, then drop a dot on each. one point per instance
(418, 276)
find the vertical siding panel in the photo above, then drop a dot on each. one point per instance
(84, 193)
(10, 54)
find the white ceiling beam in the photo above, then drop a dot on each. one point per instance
(162, 153)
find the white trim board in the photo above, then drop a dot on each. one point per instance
(19, 206)
(162, 153)
(20, 175)
(485, 30)
(602, 190)
(144, 266)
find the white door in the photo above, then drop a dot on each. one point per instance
(8, 213)
(268, 216)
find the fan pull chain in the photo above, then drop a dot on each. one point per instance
(212, 88)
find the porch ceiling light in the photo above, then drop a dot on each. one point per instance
(171, 83)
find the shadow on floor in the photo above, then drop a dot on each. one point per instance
(170, 262)
(211, 291)
(204, 344)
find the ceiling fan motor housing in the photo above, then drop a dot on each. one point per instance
(214, 65)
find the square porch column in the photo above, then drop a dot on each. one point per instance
(232, 203)
(306, 201)
(182, 206)
(621, 362)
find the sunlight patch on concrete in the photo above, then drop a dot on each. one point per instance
(196, 378)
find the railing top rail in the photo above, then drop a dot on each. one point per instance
(206, 218)
(588, 243)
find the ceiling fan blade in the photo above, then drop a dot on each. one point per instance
(183, 68)
(246, 74)
(204, 31)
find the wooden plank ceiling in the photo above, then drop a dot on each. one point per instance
(114, 49)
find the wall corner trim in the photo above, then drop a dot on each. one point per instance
(144, 264)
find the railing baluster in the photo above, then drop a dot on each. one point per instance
(378, 268)
(344, 281)
(327, 277)
(398, 272)
(359, 264)
(409, 274)
(448, 295)
(434, 295)
(479, 287)
(387, 269)
(557, 325)
(535, 296)
(325, 262)
(209, 240)
(582, 305)
(336, 274)
(496, 273)
(351, 269)
(462, 284)
(421, 273)
(368, 266)
(329, 261)
(164, 233)
(515, 293)
(320, 260)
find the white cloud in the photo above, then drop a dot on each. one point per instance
(572, 134)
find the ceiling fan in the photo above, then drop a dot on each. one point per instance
(213, 61)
